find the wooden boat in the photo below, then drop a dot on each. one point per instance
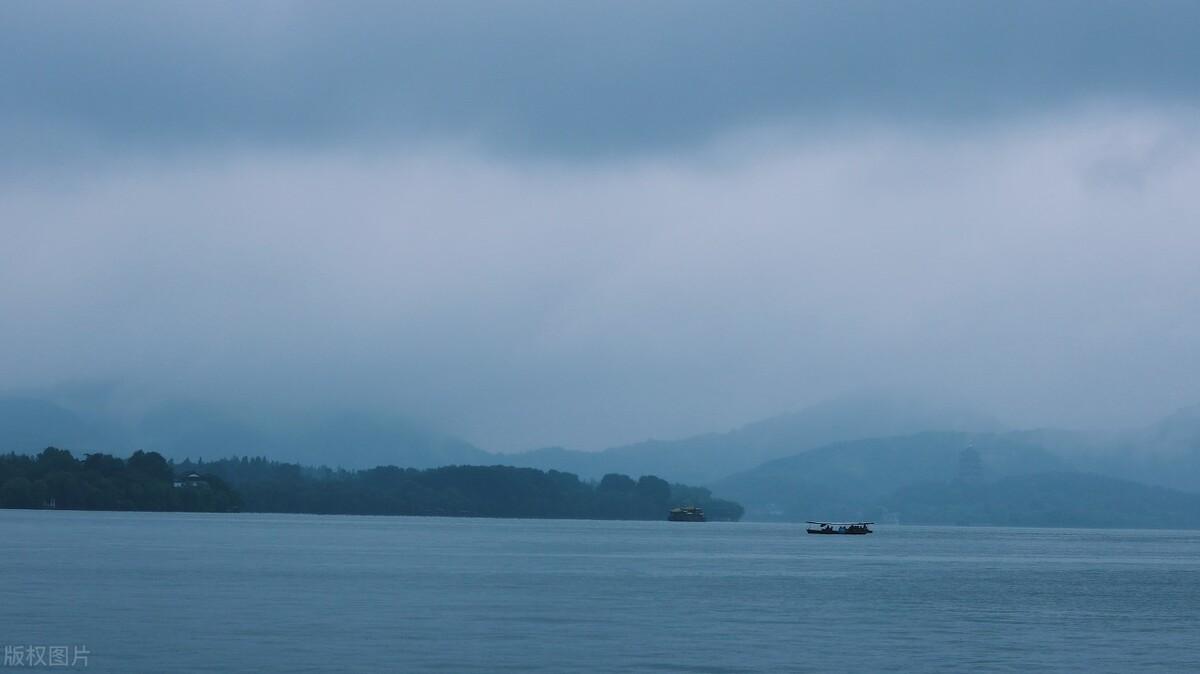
(841, 528)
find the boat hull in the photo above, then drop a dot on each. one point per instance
(825, 532)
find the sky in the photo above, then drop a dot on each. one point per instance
(590, 223)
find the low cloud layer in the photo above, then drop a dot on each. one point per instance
(1043, 269)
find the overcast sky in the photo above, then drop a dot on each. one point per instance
(591, 223)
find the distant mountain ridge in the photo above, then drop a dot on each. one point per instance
(848, 479)
(189, 429)
(712, 456)
(31, 424)
(856, 456)
(922, 476)
(1166, 453)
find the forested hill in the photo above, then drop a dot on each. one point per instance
(146, 481)
(466, 491)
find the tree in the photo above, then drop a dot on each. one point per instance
(653, 489)
(617, 483)
(103, 464)
(152, 465)
(17, 492)
(52, 459)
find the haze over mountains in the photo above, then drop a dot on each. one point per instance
(418, 235)
(708, 457)
(189, 429)
(182, 430)
(860, 456)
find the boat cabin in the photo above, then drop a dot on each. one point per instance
(844, 528)
(686, 514)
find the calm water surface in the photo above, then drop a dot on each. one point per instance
(148, 592)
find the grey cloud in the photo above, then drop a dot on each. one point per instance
(530, 304)
(558, 78)
(278, 206)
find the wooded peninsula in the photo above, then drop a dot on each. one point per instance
(147, 481)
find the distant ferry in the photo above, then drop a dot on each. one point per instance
(844, 528)
(686, 514)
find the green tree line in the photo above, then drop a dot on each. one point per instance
(147, 481)
(144, 481)
(468, 491)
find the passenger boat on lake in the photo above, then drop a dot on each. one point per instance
(686, 514)
(843, 528)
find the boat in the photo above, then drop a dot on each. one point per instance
(686, 514)
(843, 528)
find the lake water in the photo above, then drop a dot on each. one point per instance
(149, 592)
